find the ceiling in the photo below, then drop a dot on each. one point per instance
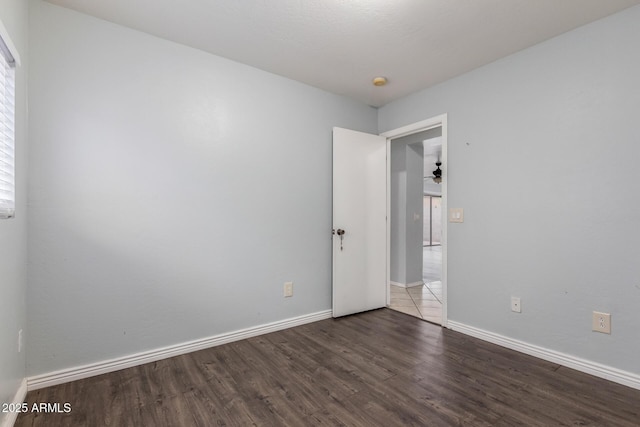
(340, 45)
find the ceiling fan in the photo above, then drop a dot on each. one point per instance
(436, 175)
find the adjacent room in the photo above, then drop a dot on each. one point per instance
(319, 212)
(415, 198)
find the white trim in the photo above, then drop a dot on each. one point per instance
(388, 248)
(420, 126)
(433, 122)
(406, 285)
(596, 369)
(105, 366)
(11, 417)
(4, 34)
(445, 228)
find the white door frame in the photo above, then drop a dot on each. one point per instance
(434, 122)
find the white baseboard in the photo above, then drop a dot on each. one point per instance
(10, 417)
(103, 367)
(407, 285)
(602, 371)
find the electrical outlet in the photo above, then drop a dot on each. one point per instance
(288, 289)
(20, 341)
(515, 305)
(601, 322)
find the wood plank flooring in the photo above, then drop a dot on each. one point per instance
(380, 368)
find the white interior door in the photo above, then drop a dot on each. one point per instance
(360, 210)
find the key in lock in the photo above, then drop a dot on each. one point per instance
(340, 232)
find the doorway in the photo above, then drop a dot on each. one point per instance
(417, 202)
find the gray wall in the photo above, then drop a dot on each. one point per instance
(147, 226)
(398, 213)
(415, 223)
(554, 130)
(13, 232)
(431, 188)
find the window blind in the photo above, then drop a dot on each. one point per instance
(7, 131)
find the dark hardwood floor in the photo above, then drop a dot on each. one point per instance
(380, 368)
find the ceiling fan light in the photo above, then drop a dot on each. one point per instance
(437, 174)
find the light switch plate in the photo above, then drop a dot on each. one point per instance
(456, 215)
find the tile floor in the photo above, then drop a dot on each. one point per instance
(424, 302)
(431, 263)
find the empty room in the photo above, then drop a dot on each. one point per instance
(207, 207)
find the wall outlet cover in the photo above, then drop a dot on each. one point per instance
(288, 289)
(516, 305)
(601, 322)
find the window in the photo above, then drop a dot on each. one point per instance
(8, 60)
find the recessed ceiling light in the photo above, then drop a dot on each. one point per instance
(379, 81)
